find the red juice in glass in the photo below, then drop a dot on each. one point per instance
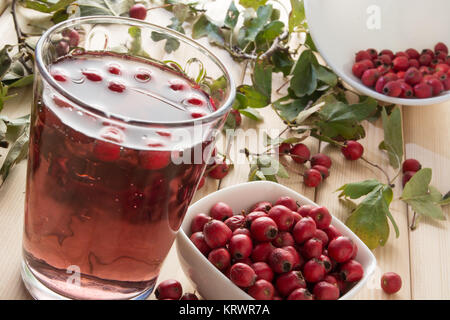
(108, 183)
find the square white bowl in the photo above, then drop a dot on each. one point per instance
(213, 284)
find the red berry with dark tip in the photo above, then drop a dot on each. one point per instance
(326, 291)
(138, 11)
(332, 232)
(220, 258)
(383, 80)
(283, 239)
(370, 77)
(362, 55)
(352, 271)
(219, 170)
(321, 217)
(252, 216)
(216, 233)
(321, 160)
(314, 270)
(244, 231)
(189, 296)
(282, 216)
(323, 171)
(400, 63)
(300, 153)
(392, 89)
(261, 251)
(199, 221)
(263, 271)
(414, 63)
(373, 53)
(221, 211)
(425, 59)
(288, 202)
(441, 47)
(240, 246)
(169, 289)
(443, 67)
(153, 159)
(423, 90)
(235, 222)
(352, 150)
(391, 282)
(320, 234)
(327, 263)
(411, 165)
(406, 177)
(412, 53)
(280, 260)
(298, 259)
(300, 294)
(359, 68)
(284, 148)
(305, 210)
(73, 36)
(116, 87)
(261, 290)
(312, 248)
(288, 282)
(304, 230)
(198, 239)
(387, 52)
(264, 229)
(340, 249)
(407, 90)
(413, 76)
(242, 275)
(312, 178)
(263, 206)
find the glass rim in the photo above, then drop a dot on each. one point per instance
(44, 72)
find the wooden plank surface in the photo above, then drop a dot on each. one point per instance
(421, 257)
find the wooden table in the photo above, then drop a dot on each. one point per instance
(421, 257)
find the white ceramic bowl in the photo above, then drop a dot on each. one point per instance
(209, 281)
(340, 29)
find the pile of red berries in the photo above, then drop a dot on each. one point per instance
(405, 74)
(278, 250)
(320, 163)
(172, 290)
(409, 168)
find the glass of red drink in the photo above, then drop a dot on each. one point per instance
(123, 125)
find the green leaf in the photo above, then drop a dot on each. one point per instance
(255, 99)
(369, 220)
(17, 152)
(204, 27)
(255, 4)
(251, 113)
(393, 136)
(282, 61)
(46, 8)
(262, 78)
(172, 44)
(22, 82)
(289, 111)
(423, 198)
(5, 60)
(326, 75)
(310, 43)
(358, 189)
(232, 16)
(304, 80)
(297, 15)
(269, 33)
(256, 25)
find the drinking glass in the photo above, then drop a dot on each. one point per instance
(99, 227)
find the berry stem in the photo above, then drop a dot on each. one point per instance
(414, 222)
(381, 169)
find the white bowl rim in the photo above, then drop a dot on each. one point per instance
(361, 245)
(362, 88)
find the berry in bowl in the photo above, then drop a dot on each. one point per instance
(261, 240)
(395, 32)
